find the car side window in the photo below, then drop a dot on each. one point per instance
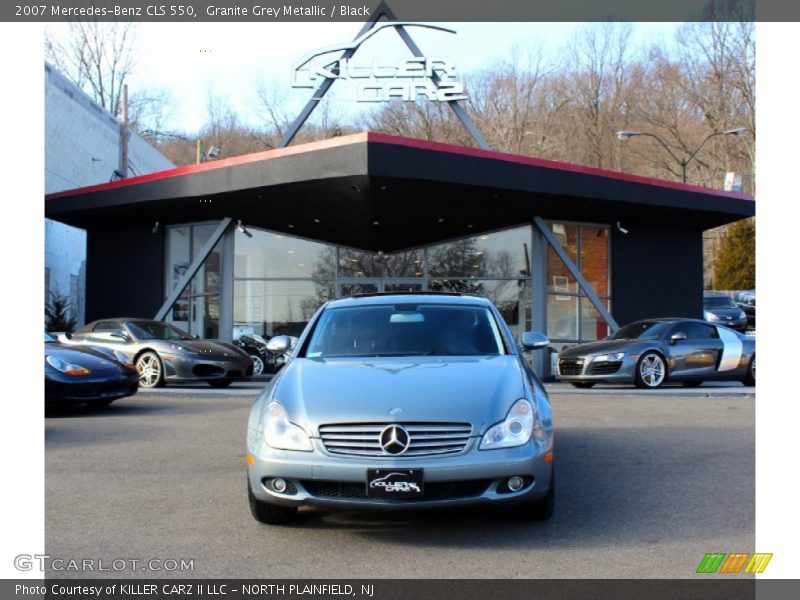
(696, 331)
(105, 327)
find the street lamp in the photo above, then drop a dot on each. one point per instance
(737, 131)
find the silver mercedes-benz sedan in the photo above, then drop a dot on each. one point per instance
(403, 401)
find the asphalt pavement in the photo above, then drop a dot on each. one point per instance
(647, 484)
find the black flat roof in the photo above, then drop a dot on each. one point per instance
(381, 192)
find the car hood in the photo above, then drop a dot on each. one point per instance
(725, 312)
(84, 356)
(208, 348)
(600, 347)
(478, 390)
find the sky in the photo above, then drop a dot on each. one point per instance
(229, 60)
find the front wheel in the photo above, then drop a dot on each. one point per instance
(750, 375)
(258, 364)
(651, 371)
(151, 372)
(220, 383)
(583, 385)
(271, 514)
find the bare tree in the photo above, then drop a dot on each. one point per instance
(97, 57)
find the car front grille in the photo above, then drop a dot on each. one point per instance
(439, 490)
(604, 368)
(570, 366)
(424, 439)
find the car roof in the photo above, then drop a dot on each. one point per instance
(409, 298)
(115, 320)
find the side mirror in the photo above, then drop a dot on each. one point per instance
(533, 340)
(677, 337)
(119, 335)
(279, 344)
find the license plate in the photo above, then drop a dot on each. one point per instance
(397, 484)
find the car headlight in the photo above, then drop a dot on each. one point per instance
(65, 367)
(281, 434)
(614, 356)
(515, 430)
(711, 317)
(180, 349)
(742, 315)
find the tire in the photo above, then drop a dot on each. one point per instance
(258, 364)
(151, 370)
(270, 514)
(220, 383)
(540, 510)
(583, 385)
(750, 375)
(651, 371)
(692, 384)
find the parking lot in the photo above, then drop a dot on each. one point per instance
(648, 482)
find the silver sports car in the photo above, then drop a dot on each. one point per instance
(403, 401)
(164, 353)
(650, 353)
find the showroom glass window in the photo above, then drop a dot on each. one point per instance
(279, 282)
(571, 317)
(495, 265)
(197, 309)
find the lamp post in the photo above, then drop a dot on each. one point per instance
(738, 132)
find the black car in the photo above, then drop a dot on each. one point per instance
(657, 351)
(722, 310)
(85, 375)
(747, 302)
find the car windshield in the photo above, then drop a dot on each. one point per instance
(718, 302)
(48, 338)
(406, 330)
(156, 330)
(642, 330)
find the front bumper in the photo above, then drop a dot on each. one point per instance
(600, 372)
(64, 389)
(179, 368)
(471, 477)
(737, 324)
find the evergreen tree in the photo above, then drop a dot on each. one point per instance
(57, 314)
(735, 267)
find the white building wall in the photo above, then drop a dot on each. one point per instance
(82, 147)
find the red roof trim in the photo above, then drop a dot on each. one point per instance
(217, 164)
(382, 138)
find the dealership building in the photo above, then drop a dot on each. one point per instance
(257, 243)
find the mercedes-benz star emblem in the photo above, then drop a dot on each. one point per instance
(394, 440)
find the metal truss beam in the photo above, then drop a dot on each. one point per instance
(575, 272)
(382, 10)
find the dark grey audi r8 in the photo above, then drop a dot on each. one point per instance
(164, 353)
(403, 401)
(657, 351)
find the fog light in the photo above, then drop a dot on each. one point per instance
(515, 483)
(279, 485)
